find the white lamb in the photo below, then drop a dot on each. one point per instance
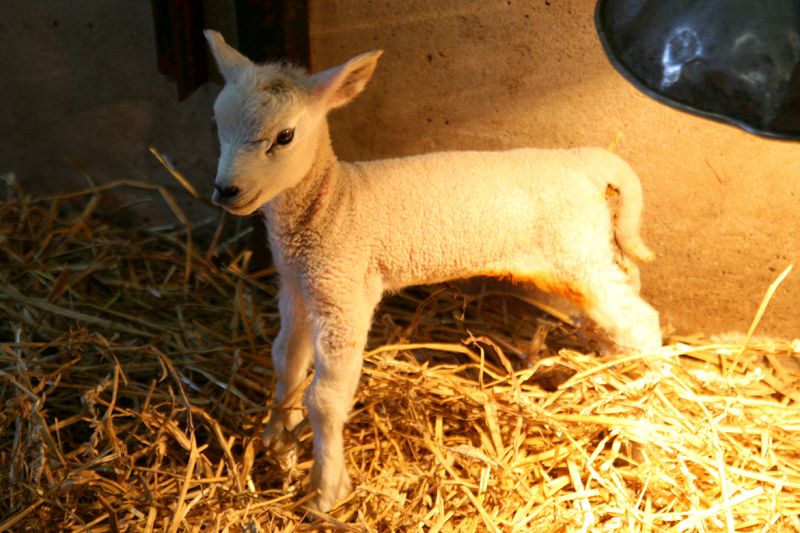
(343, 234)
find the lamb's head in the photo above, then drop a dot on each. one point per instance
(271, 120)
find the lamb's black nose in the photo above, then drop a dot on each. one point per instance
(227, 192)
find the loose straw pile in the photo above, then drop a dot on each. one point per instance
(135, 380)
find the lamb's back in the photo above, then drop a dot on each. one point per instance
(451, 214)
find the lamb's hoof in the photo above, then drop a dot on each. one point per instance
(281, 444)
(641, 340)
(287, 458)
(272, 434)
(649, 345)
(323, 503)
(279, 424)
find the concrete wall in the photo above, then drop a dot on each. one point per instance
(78, 80)
(722, 207)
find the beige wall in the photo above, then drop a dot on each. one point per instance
(722, 207)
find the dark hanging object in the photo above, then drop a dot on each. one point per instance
(736, 61)
(180, 43)
(273, 30)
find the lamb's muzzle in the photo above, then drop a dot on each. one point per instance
(225, 193)
(342, 234)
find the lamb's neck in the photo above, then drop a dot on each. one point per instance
(306, 206)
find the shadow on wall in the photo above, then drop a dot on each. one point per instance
(81, 83)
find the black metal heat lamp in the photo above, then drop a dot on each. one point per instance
(736, 61)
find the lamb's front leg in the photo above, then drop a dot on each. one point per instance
(340, 341)
(291, 356)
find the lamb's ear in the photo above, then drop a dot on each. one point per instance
(337, 86)
(229, 61)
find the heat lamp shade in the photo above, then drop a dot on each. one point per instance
(736, 61)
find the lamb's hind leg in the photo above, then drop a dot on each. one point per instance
(340, 344)
(291, 356)
(616, 307)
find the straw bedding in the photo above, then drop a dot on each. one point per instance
(135, 377)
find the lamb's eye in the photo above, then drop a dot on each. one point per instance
(284, 137)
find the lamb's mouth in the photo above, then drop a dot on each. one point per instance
(234, 207)
(243, 210)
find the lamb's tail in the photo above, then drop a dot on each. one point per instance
(619, 181)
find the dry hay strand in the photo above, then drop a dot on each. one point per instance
(136, 377)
